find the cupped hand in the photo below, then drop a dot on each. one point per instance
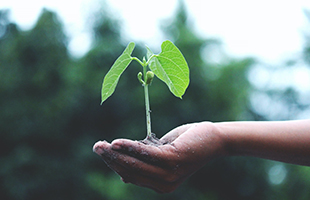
(163, 167)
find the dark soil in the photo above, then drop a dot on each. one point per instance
(153, 140)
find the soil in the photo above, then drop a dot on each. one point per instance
(153, 140)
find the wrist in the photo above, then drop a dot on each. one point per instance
(225, 132)
(217, 137)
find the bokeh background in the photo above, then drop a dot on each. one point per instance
(50, 113)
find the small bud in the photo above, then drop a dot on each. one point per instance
(149, 77)
(140, 77)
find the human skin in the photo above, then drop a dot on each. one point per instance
(189, 147)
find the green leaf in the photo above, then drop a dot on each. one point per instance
(111, 79)
(171, 67)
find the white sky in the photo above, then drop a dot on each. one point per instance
(270, 30)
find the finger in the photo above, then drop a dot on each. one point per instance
(100, 147)
(142, 174)
(147, 153)
(118, 161)
(136, 171)
(138, 174)
(103, 149)
(125, 165)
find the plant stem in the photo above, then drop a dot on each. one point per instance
(146, 96)
(148, 111)
(147, 106)
(139, 61)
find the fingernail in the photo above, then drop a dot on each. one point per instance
(98, 151)
(97, 148)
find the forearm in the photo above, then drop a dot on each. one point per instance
(287, 141)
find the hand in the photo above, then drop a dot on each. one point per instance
(163, 168)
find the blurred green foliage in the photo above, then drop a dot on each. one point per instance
(50, 116)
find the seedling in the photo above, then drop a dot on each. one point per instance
(169, 66)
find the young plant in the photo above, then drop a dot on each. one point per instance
(169, 66)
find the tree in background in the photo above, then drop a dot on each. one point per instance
(36, 155)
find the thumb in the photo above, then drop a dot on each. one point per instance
(175, 133)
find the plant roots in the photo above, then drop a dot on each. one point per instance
(152, 140)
